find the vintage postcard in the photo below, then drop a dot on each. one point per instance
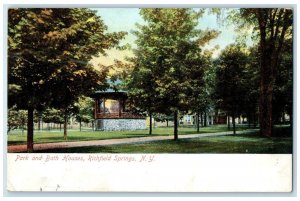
(190, 99)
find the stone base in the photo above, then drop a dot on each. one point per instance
(120, 124)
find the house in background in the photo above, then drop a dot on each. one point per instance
(187, 119)
(220, 118)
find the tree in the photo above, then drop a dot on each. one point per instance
(230, 90)
(84, 110)
(141, 89)
(48, 55)
(283, 85)
(72, 83)
(16, 119)
(274, 27)
(167, 45)
(52, 115)
(251, 87)
(201, 79)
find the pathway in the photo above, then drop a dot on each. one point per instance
(58, 145)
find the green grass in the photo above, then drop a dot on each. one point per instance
(16, 137)
(246, 143)
(243, 143)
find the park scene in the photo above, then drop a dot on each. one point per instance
(150, 80)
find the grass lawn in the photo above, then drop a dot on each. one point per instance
(16, 137)
(246, 143)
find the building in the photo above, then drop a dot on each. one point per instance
(111, 114)
(187, 119)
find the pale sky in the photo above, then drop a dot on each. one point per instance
(124, 19)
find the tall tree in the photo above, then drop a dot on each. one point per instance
(251, 87)
(167, 45)
(48, 54)
(283, 85)
(71, 83)
(141, 89)
(201, 76)
(230, 74)
(274, 27)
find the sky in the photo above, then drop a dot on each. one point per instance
(124, 19)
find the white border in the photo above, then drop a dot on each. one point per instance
(254, 3)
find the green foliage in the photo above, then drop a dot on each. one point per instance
(84, 107)
(168, 59)
(52, 115)
(17, 119)
(231, 81)
(274, 27)
(202, 80)
(250, 79)
(283, 85)
(48, 55)
(49, 51)
(121, 71)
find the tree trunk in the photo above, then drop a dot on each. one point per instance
(205, 119)
(228, 121)
(30, 130)
(268, 61)
(198, 126)
(150, 126)
(167, 123)
(59, 126)
(201, 119)
(248, 120)
(233, 123)
(176, 125)
(39, 121)
(65, 126)
(265, 106)
(254, 120)
(283, 118)
(80, 124)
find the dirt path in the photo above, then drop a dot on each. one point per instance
(58, 145)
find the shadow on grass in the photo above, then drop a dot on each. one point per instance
(282, 131)
(16, 143)
(239, 144)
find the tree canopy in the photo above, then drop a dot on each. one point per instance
(174, 69)
(274, 27)
(48, 55)
(230, 80)
(168, 54)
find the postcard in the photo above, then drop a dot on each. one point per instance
(192, 99)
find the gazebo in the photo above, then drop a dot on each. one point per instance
(111, 114)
